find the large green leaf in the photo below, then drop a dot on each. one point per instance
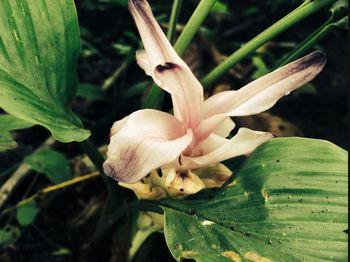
(9, 123)
(288, 202)
(39, 47)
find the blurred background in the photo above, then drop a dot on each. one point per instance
(112, 86)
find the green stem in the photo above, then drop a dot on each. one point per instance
(92, 152)
(305, 45)
(174, 17)
(137, 241)
(300, 13)
(155, 97)
(107, 224)
(193, 25)
(97, 159)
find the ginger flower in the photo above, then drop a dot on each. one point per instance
(187, 147)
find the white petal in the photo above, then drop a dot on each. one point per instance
(157, 46)
(143, 62)
(186, 92)
(225, 128)
(264, 92)
(147, 140)
(168, 70)
(217, 150)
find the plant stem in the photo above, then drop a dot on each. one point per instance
(174, 17)
(95, 156)
(57, 187)
(155, 97)
(137, 241)
(304, 46)
(106, 225)
(336, 20)
(193, 25)
(93, 153)
(300, 13)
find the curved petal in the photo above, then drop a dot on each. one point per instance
(186, 92)
(157, 46)
(146, 140)
(143, 62)
(264, 92)
(225, 128)
(168, 70)
(216, 149)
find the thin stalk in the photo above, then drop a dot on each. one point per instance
(56, 187)
(305, 45)
(155, 97)
(137, 241)
(193, 25)
(92, 152)
(116, 74)
(95, 156)
(107, 224)
(174, 17)
(312, 39)
(300, 13)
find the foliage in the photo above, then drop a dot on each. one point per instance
(27, 213)
(287, 201)
(40, 46)
(279, 207)
(10, 123)
(50, 162)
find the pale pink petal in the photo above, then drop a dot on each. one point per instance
(156, 44)
(225, 128)
(168, 70)
(216, 150)
(260, 94)
(264, 92)
(186, 92)
(117, 125)
(143, 62)
(146, 140)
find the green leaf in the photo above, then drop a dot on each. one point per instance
(52, 163)
(261, 67)
(9, 235)
(27, 213)
(122, 49)
(288, 202)
(90, 92)
(40, 44)
(62, 252)
(219, 7)
(9, 123)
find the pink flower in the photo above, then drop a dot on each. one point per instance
(195, 136)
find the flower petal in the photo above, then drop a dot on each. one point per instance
(157, 46)
(143, 62)
(145, 191)
(168, 70)
(216, 149)
(146, 140)
(186, 92)
(213, 175)
(225, 128)
(264, 92)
